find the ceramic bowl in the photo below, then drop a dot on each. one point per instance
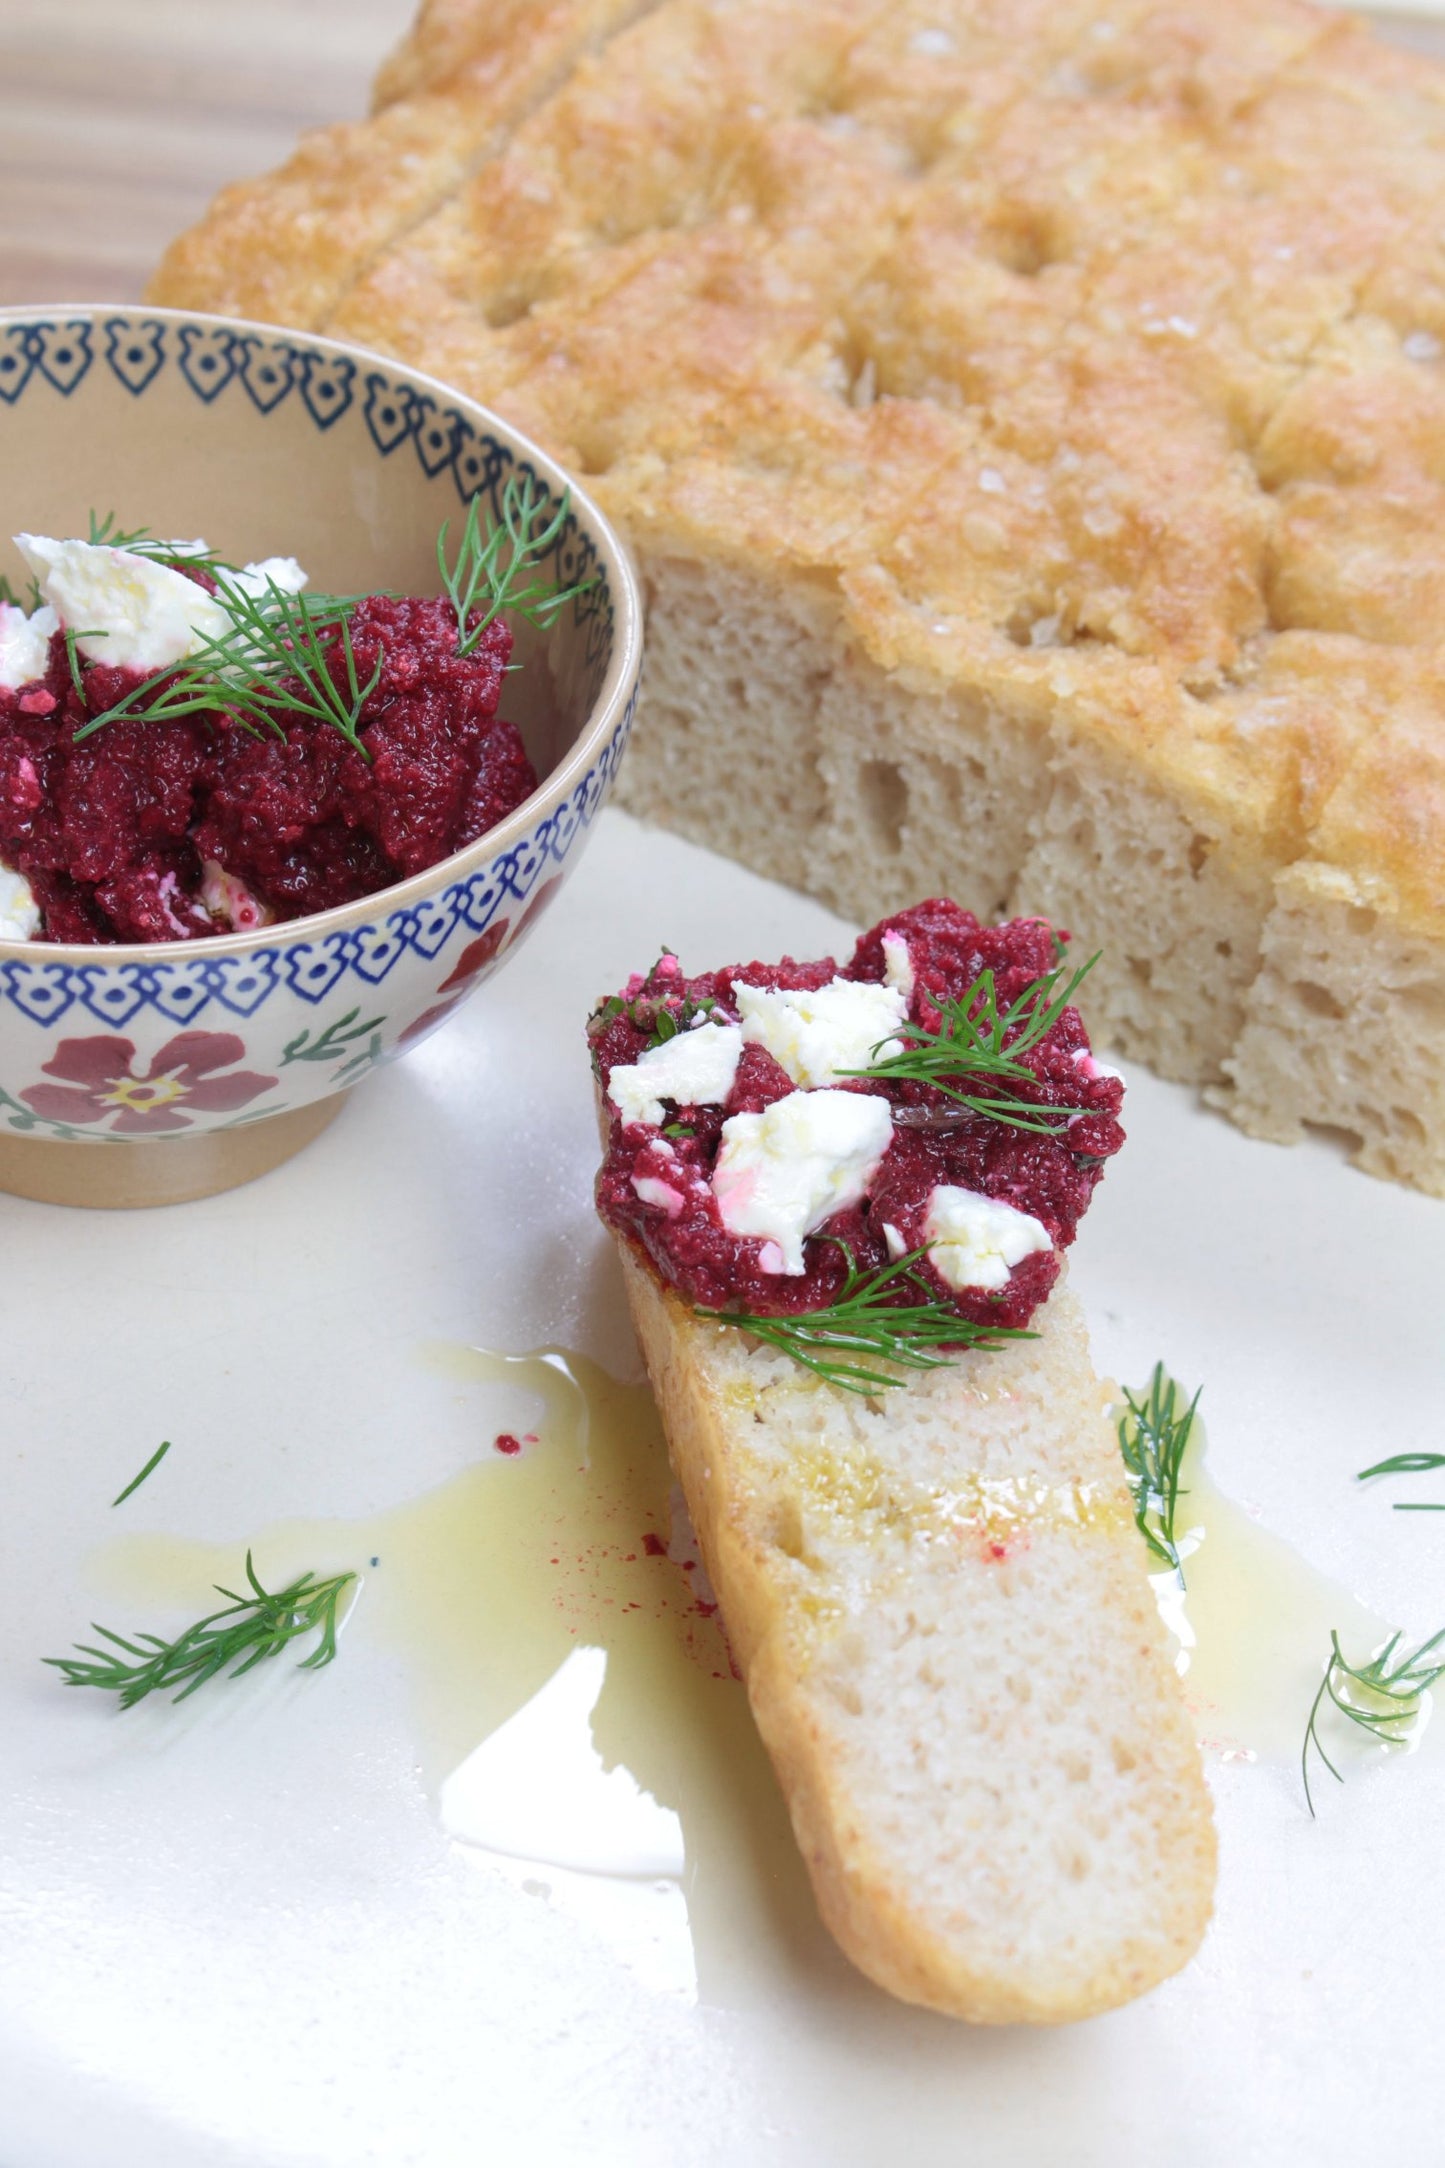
(151, 1074)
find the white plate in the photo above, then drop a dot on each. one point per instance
(257, 1930)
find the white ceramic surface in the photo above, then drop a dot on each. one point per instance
(251, 1933)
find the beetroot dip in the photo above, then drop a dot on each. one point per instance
(1051, 1177)
(114, 834)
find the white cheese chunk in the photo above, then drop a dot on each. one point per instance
(1087, 1066)
(19, 912)
(975, 1241)
(226, 897)
(818, 1035)
(24, 645)
(898, 964)
(653, 1190)
(130, 610)
(126, 610)
(781, 1173)
(254, 580)
(693, 1069)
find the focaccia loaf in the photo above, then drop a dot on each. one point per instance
(939, 1602)
(1029, 418)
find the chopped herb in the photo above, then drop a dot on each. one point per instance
(270, 661)
(1384, 1697)
(981, 1043)
(667, 1022)
(1153, 1438)
(1407, 1464)
(497, 571)
(141, 542)
(8, 594)
(868, 1320)
(151, 1465)
(248, 1631)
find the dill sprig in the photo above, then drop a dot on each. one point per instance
(273, 659)
(1153, 1438)
(497, 571)
(980, 1042)
(149, 1469)
(143, 542)
(1407, 1464)
(1384, 1697)
(33, 598)
(867, 1320)
(248, 1631)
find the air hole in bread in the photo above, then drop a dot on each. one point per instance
(786, 1532)
(883, 795)
(1201, 849)
(1426, 997)
(1318, 1000)
(1346, 1140)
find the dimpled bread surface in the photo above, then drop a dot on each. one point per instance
(939, 1601)
(1029, 420)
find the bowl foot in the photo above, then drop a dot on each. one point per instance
(163, 1170)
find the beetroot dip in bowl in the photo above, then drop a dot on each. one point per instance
(146, 1071)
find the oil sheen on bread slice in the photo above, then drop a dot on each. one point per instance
(940, 1604)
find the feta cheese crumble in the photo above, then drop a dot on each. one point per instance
(1088, 1066)
(781, 1173)
(975, 1241)
(818, 1034)
(224, 896)
(693, 1069)
(19, 912)
(24, 645)
(898, 964)
(133, 612)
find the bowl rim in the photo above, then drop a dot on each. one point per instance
(617, 688)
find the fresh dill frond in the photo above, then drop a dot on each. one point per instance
(1407, 1464)
(273, 659)
(981, 1043)
(1153, 1438)
(247, 1632)
(867, 1320)
(1384, 1697)
(72, 655)
(33, 596)
(497, 571)
(149, 1469)
(142, 542)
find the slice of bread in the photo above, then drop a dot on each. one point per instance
(1029, 419)
(939, 1602)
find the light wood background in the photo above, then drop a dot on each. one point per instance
(119, 119)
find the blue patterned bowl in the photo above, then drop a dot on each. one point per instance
(151, 1074)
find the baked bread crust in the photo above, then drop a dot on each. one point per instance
(953, 1655)
(1051, 395)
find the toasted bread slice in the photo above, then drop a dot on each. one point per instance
(940, 1605)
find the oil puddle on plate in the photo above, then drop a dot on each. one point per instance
(580, 1724)
(581, 1728)
(1251, 1623)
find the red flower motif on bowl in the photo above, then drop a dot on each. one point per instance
(101, 1083)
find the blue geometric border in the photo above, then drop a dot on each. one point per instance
(361, 957)
(270, 373)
